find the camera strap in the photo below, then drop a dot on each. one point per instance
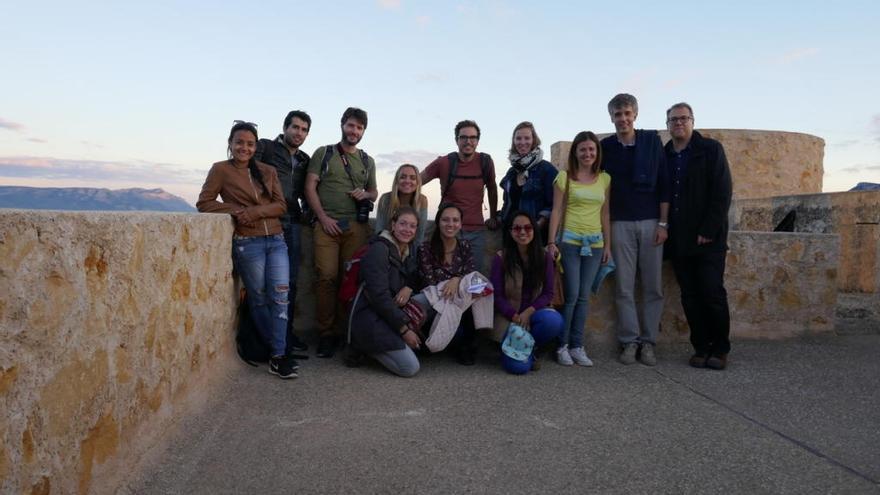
(346, 165)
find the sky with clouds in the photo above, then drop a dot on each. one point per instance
(96, 94)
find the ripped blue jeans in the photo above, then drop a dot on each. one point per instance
(263, 266)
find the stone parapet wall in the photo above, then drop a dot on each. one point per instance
(111, 323)
(763, 163)
(855, 215)
(778, 286)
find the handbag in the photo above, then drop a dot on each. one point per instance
(558, 286)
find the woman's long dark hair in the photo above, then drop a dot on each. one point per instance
(252, 163)
(436, 240)
(533, 268)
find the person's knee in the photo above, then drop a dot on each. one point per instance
(515, 367)
(408, 369)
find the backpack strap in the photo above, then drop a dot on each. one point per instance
(325, 163)
(453, 170)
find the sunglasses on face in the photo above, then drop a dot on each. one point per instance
(521, 228)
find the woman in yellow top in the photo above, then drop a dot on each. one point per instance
(580, 229)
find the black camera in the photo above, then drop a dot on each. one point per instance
(364, 207)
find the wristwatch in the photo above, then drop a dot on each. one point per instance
(663, 225)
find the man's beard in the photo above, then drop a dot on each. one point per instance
(348, 142)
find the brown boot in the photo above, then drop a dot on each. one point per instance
(717, 362)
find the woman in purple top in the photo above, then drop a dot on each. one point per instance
(522, 275)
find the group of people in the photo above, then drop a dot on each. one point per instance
(620, 204)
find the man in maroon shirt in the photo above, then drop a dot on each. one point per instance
(464, 185)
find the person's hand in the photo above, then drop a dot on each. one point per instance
(660, 235)
(553, 250)
(606, 254)
(403, 296)
(410, 337)
(358, 194)
(703, 240)
(451, 288)
(329, 226)
(525, 318)
(244, 217)
(491, 223)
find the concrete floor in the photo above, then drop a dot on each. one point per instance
(799, 416)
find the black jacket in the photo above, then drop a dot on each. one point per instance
(707, 193)
(292, 181)
(377, 319)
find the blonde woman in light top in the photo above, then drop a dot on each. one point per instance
(406, 190)
(580, 230)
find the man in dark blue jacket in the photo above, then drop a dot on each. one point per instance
(697, 245)
(290, 161)
(639, 206)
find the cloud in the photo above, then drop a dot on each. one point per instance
(851, 170)
(37, 140)
(873, 167)
(423, 20)
(98, 171)
(11, 126)
(388, 4)
(875, 126)
(795, 55)
(390, 161)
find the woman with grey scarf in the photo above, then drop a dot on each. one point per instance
(528, 184)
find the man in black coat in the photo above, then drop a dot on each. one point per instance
(290, 161)
(697, 244)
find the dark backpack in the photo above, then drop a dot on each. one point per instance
(251, 347)
(453, 171)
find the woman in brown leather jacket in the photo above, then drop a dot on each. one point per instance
(251, 193)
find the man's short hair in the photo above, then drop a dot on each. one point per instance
(466, 123)
(680, 105)
(356, 114)
(623, 100)
(299, 114)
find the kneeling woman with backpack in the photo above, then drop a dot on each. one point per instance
(386, 320)
(523, 275)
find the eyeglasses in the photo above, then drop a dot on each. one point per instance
(236, 122)
(521, 228)
(468, 138)
(678, 120)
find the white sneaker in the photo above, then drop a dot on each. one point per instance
(580, 356)
(563, 357)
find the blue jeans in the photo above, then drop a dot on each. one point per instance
(578, 275)
(477, 239)
(294, 253)
(263, 266)
(544, 325)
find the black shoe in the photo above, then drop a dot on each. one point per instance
(466, 356)
(295, 344)
(698, 360)
(717, 361)
(326, 347)
(285, 367)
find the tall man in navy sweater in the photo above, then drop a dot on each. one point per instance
(639, 207)
(701, 193)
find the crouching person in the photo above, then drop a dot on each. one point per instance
(522, 274)
(386, 320)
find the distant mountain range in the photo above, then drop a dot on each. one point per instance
(87, 198)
